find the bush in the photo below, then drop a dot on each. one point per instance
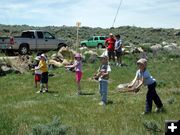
(54, 128)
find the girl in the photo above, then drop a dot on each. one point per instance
(78, 69)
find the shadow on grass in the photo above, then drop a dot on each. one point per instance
(87, 93)
(52, 92)
(109, 102)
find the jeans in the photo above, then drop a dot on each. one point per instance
(103, 89)
(152, 96)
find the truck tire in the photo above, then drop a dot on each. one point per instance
(23, 49)
(100, 46)
(83, 45)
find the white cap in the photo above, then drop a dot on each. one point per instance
(44, 56)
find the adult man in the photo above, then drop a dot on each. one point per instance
(110, 43)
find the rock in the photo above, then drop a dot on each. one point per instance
(170, 47)
(55, 63)
(164, 43)
(156, 47)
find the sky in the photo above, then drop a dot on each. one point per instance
(91, 13)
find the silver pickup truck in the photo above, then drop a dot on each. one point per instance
(31, 40)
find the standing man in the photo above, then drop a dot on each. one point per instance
(110, 44)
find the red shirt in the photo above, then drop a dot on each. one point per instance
(111, 43)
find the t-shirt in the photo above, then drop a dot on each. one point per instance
(37, 71)
(78, 67)
(43, 66)
(104, 68)
(148, 79)
(110, 42)
(118, 45)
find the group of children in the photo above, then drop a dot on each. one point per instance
(102, 76)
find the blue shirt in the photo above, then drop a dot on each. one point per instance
(148, 79)
(118, 45)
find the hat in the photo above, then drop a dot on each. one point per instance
(77, 55)
(110, 34)
(44, 56)
(103, 56)
(37, 58)
(142, 61)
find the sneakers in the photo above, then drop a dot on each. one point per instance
(157, 110)
(39, 91)
(102, 103)
(42, 91)
(145, 113)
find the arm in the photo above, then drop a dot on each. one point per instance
(132, 82)
(71, 66)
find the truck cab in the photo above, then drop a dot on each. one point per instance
(95, 41)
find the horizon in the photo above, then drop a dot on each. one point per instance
(43, 13)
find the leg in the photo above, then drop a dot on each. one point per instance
(156, 98)
(78, 79)
(148, 101)
(104, 91)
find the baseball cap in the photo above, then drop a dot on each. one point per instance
(142, 61)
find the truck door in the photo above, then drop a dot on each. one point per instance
(90, 42)
(40, 42)
(95, 42)
(50, 41)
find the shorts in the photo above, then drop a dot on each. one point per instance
(118, 54)
(37, 77)
(78, 76)
(111, 54)
(44, 77)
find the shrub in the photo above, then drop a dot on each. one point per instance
(54, 128)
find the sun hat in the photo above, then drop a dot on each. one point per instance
(142, 61)
(37, 58)
(44, 56)
(77, 55)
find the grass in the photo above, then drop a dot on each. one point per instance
(21, 108)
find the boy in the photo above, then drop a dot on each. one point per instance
(44, 76)
(145, 78)
(103, 76)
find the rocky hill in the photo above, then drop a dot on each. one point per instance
(130, 34)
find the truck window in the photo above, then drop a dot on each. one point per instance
(40, 34)
(28, 35)
(96, 38)
(47, 35)
(102, 38)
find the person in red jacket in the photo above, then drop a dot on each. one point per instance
(110, 44)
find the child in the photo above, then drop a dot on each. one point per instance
(103, 76)
(145, 78)
(118, 50)
(37, 72)
(78, 69)
(44, 76)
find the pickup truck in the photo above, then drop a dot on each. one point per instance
(95, 41)
(31, 40)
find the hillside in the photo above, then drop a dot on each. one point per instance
(130, 34)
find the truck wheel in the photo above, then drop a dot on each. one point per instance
(23, 49)
(100, 46)
(83, 45)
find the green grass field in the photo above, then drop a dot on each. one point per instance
(21, 108)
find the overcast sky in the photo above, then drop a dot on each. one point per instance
(92, 13)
